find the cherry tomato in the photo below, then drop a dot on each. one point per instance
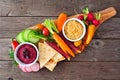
(45, 31)
(14, 44)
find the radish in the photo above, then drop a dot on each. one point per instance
(96, 22)
(87, 22)
(90, 16)
(19, 66)
(35, 67)
(23, 68)
(28, 69)
(81, 17)
(54, 46)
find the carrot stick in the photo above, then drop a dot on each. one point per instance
(90, 33)
(61, 20)
(51, 27)
(39, 26)
(70, 44)
(78, 43)
(82, 47)
(62, 44)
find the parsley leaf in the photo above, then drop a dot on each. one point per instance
(11, 55)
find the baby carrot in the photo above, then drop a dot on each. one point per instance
(39, 26)
(90, 33)
(61, 20)
(78, 43)
(62, 44)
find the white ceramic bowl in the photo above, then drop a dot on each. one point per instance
(83, 25)
(20, 62)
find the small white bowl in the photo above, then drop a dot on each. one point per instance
(19, 61)
(83, 25)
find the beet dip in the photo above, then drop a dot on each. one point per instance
(27, 53)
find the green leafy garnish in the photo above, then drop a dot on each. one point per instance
(11, 55)
(85, 17)
(85, 10)
(50, 25)
(97, 16)
(38, 34)
(15, 63)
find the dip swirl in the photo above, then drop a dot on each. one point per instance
(73, 29)
(27, 53)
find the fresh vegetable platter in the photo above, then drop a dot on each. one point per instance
(45, 44)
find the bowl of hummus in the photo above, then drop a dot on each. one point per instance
(26, 54)
(73, 29)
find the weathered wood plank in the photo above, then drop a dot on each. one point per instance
(101, 59)
(19, 23)
(10, 26)
(4, 49)
(98, 50)
(65, 71)
(109, 29)
(101, 50)
(52, 7)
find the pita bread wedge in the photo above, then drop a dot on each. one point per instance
(51, 65)
(53, 62)
(46, 53)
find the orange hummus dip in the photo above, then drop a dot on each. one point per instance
(73, 30)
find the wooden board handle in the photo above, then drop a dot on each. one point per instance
(107, 13)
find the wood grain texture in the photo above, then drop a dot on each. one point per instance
(10, 26)
(98, 50)
(52, 7)
(100, 60)
(65, 71)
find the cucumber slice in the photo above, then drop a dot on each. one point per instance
(34, 40)
(25, 34)
(19, 37)
(32, 37)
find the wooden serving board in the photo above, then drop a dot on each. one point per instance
(105, 15)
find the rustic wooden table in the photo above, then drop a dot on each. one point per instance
(101, 59)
